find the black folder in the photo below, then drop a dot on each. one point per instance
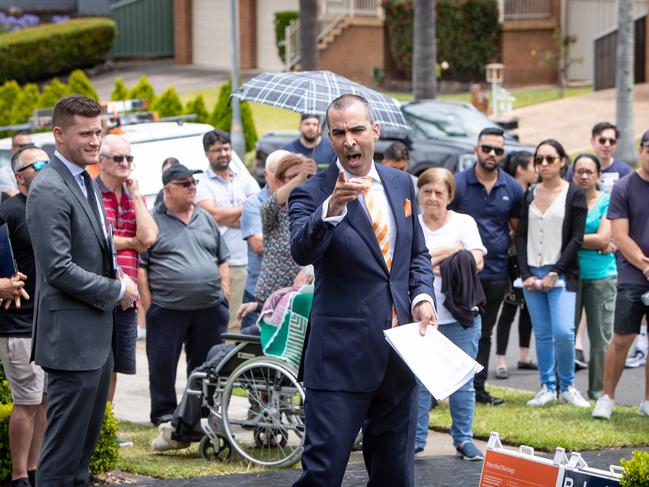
(7, 261)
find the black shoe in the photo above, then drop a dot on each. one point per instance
(485, 398)
(530, 365)
(23, 482)
(580, 360)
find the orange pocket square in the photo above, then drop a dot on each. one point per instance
(407, 208)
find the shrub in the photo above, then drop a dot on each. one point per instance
(120, 92)
(168, 104)
(198, 108)
(79, 84)
(25, 103)
(9, 92)
(5, 392)
(144, 90)
(106, 453)
(282, 19)
(5, 456)
(52, 93)
(222, 117)
(636, 470)
(46, 50)
(466, 35)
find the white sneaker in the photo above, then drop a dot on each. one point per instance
(543, 397)
(603, 407)
(637, 359)
(643, 410)
(572, 396)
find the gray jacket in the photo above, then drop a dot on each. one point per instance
(75, 293)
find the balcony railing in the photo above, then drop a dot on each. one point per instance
(527, 9)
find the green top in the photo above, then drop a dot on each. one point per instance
(592, 263)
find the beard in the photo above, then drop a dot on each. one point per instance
(488, 165)
(310, 138)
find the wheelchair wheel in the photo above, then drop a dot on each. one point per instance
(210, 453)
(263, 412)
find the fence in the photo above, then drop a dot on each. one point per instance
(144, 28)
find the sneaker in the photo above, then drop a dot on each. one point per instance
(123, 443)
(529, 365)
(603, 407)
(484, 397)
(502, 373)
(543, 397)
(572, 396)
(643, 410)
(164, 442)
(419, 450)
(580, 360)
(468, 451)
(637, 359)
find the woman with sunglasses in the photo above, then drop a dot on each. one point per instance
(597, 270)
(550, 232)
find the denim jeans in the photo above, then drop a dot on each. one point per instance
(462, 401)
(553, 322)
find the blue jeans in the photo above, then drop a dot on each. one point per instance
(553, 322)
(462, 401)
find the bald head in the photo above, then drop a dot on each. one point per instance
(271, 165)
(346, 101)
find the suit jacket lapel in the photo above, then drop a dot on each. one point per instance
(69, 180)
(396, 202)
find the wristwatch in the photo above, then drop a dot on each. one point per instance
(553, 275)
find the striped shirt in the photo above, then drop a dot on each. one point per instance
(121, 215)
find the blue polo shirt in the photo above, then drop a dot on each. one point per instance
(492, 212)
(323, 154)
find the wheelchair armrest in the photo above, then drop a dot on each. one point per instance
(241, 337)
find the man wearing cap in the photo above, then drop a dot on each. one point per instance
(629, 215)
(184, 284)
(311, 144)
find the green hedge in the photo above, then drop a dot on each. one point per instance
(5, 455)
(636, 470)
(282, 19)
(221, 117)
(47, 50)
(466, 36)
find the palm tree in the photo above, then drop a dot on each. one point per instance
(626, 150)
(308, 35)
(424, 83)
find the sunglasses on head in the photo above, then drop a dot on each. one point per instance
(604, 140)
(538, 160)
(37, 165)
(120, 159)
(186, 184)
(499, 151)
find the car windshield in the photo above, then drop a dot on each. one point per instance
(450, 120)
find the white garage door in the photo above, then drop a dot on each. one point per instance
(211, 33)
(267, 57)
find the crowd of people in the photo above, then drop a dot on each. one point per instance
(561, 243)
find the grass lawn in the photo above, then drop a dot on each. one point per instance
(178, 464)
(548, 427)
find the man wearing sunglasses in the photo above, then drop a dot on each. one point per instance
(604, 137)
(26, 380)
(493, 198)
(184, 282)
(134, 231)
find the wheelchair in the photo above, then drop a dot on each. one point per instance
(250, 403)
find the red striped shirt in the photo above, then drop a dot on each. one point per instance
(121, 215)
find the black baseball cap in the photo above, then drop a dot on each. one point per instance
(176, 172)
(644, 141)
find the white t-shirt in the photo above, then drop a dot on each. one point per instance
(459, 228)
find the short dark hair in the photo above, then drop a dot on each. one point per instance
(66, 108)
(16, 157)
(557, 146)
(306, 116)
(20, 132)
(214, 136)
(346, 100)
(513, 160)
(396, 151)
(491, 131)
(592, 157)
(598, 128)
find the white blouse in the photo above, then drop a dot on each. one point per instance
(544, 231)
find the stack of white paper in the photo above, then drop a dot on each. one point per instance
(436, 361)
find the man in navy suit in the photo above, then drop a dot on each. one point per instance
(356, 222)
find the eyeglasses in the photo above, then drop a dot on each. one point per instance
(120, 159)
(186, 184)
(499, 151)
(585, 172)
(538, 160)
(37, 165)
(604, 140)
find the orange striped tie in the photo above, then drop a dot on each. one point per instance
(379, 222)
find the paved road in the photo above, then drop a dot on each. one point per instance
(441, 471)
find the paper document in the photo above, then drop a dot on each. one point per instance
(519, 282)
(436, 361)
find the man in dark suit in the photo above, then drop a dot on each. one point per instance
(77, 288)
(357, 223)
